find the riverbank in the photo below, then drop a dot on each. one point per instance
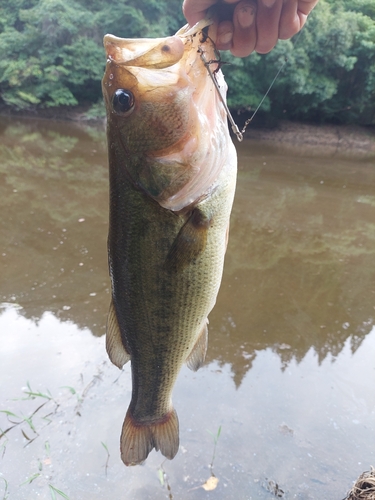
(82, 113)
(312, 139)
(328, 140)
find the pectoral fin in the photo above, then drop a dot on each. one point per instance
(190, 241)
(115, 348)
(197, 356)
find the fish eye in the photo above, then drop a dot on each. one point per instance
(123, 101)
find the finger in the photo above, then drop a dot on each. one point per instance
(195, 10)
(290, 22)
(293, 17)
(306, 6)
(245, 34)
(224, 35)
(268, 17)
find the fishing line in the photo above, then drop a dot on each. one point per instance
(249, 120)
(236, 130)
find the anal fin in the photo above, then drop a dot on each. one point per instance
(138, 439)
(197, 355)
(115, 348)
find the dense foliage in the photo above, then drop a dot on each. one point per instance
(52, 50)
(52, 55)
(330, 70)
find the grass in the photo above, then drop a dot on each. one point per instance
(47, 448)
(163, 478)
(54, 491)
(30, 427)
(108, 455)
(3, 446)
(72, 391)
(18, 420)
(6, 491)
(216, 439)
(30, 479)
(37, 394)
(212, 481)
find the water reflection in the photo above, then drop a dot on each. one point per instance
(309, 427)
(300, 264)
(292, 337)
(299, 270)
(53, 191)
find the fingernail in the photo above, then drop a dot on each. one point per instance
(268, 3)
(225, 37)
(245, 16)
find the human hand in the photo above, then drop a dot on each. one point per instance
(251, 24)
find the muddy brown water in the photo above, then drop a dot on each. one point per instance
(290, 370)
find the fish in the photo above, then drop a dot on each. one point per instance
(172, 178)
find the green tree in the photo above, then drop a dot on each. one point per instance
(52, 49)
(52, 55)
(329, 75)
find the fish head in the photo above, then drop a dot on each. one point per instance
(146, 97)
(165, 120)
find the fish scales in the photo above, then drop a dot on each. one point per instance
(169, 217)
(184, 298)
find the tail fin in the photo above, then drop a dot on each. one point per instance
(137, 439)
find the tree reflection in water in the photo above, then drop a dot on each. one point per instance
(299, 270)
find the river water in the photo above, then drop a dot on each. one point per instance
(288, 388)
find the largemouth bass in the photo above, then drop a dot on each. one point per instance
(172, 168)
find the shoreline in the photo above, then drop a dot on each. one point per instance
(351, 141)
(304, 138)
